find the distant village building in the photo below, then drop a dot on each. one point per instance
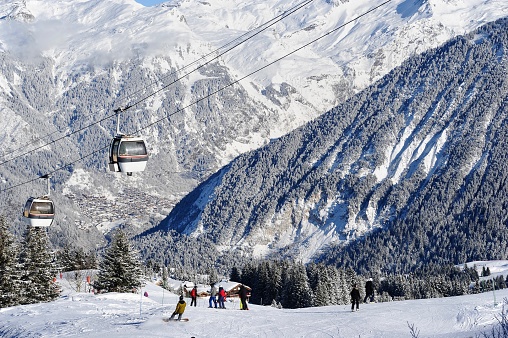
(232, 289)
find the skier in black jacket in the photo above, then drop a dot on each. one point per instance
(369, 291)
(355, 298)
(243, 293)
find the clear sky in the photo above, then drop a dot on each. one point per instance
(150, 2)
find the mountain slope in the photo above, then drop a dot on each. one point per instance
(66, 65)
(420, 156)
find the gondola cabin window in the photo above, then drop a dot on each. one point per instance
(132, 148)
(45, 208)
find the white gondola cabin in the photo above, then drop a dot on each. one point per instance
(127, 154)
(39, 211)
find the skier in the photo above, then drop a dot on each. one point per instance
(180, 308)
(213, 296)
(355, 298)
(194, 295)
(222, 297)
(369, 291)
(243, 296)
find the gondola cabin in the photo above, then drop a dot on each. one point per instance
(127, 154)
(39, 211)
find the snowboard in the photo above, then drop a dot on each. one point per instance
(175, 320)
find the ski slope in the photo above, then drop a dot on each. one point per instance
(133, 315)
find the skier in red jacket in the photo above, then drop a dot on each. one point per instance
(222, 297)
(194, 295)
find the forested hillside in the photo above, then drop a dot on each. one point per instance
(200, 81)
(409, 171)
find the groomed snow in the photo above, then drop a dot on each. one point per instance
(133, 315)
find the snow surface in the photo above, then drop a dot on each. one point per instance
(133, 315)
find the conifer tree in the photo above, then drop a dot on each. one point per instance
(323, 292)
(120, 268)
(9, 284)
(297, 293)
(71, 259)
(37, 270)
(274, 286)
(235, 275)
(212, 276)
(344, 286)
(165, 276)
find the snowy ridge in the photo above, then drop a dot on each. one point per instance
(101, 32)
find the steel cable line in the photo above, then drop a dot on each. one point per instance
(277, 18)
(263, 67)
(56, 170)
(216, 91)
(260, 29)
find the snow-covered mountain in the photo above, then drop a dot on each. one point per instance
(417, 156)
(67, 64)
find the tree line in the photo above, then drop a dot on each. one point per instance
(29, 268)
(295, 285)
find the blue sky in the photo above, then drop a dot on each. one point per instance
(150, 2)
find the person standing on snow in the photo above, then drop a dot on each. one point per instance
(243, 296)
(180, 308)
(222, 297)
(194, 295)
(213, 296)
(369, 291)
(355, 298)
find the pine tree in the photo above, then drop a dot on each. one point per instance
(344, 287)
(274, 286)
(212, 276)
(37, 271)
(120, 269)
(297, 293)
(165, 276)
(235, 275)
(9, 284)
(71, 259)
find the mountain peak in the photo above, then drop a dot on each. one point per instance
(16, 11)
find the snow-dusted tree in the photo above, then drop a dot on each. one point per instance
(212, 276)
(273, 286)
(323, 290)
(71, 259)
(297, 293)
(165, 276)
(9, 286)
(120, 269)
(36, 268)
(344, 287)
